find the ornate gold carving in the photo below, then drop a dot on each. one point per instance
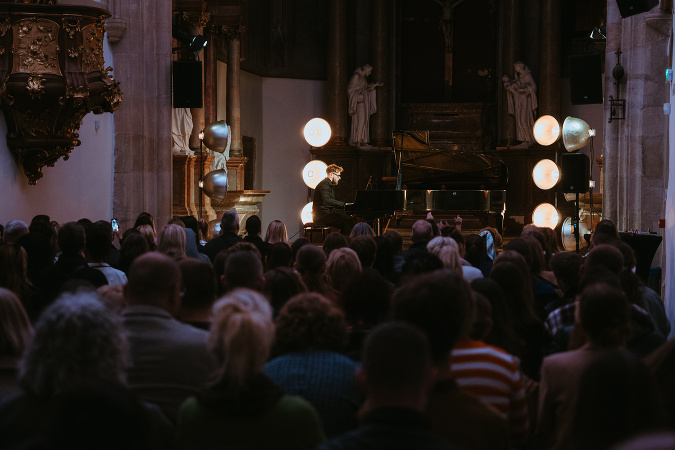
(92, 49)
(36, 47)
(35, 2)
(231, 32)
(5, 26)
(71, 25)
(197, 19)
(74, 52)
(34, 85)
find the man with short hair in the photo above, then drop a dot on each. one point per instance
(97, 249)
(13, 231)
(253, 231)
(422, 233)
(229, 229)
(169, 359)
(244, 270)
(324, 202)
(397, 375)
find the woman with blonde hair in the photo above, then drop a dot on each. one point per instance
(447, 251)
(342, 266)
(149, 234)
(242, 407)
(172, 241)
(276, 232)
(15, 335)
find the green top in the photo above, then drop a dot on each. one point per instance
(292, 423)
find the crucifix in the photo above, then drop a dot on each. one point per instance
(446, 25)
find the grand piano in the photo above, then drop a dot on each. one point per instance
(429, 179)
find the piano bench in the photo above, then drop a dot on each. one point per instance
(311, 229)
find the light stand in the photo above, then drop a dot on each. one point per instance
(201, 172)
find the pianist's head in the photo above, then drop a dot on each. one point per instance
(333, 173)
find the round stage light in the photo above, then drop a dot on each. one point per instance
(569, 241)
(306, 214)
(215, 184)
(576, 133)
(545, 174)
(545, 216)
(217, 136)
(313, 173)
(546, 130)
(317, 132)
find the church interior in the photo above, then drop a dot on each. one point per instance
(442, 69)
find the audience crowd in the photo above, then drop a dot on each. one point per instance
(167, 339)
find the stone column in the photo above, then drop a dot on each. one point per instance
(210, 78)
(380, 133)
(337, 73)
(510, 54)
(549, 57)
(233, 106)
(142, 173)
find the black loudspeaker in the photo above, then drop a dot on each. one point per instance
(187, 84)
(585, 79)
(575, 168)
(629, 8)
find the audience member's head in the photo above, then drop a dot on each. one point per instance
(276, 232)
(171, 241)
(149, 234)
(154, 279)
(396, 241)
(421, 231)
(15, 329)
(192, 223)
(134, 244)
(98, 238)
(366, 249)
(606, 256)
(13, 268)
(297, 245)
(334, 241)
(510, 271)
(361, 229)
(481, 323)
(281, 284)
(476, 249)
(437, 303)
(253, 225)
(552, 239)
(13, 231)
(279, 255)
(366, 300)
(112, 296)
(241, 337)
(419, 263)
(229, 222)
(310, 322)
(244, 270)
(342, 266)
(40, 224)
(501, 333)
(447, 251)
(199, 284)
(566, 266)
(605, 233)
(311, 265)
(77, 340)
(617, 399)
(397, 366)
(145, 218)
(603, 313)
(71, 238)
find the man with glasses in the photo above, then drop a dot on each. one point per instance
(325, 203)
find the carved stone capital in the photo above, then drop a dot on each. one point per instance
(197, 19)
(231, 32)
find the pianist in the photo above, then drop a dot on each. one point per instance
(325, 203)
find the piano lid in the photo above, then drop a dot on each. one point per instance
(424, 167)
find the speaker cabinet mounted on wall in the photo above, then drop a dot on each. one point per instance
(629, 8)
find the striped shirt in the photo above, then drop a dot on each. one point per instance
(493, 375)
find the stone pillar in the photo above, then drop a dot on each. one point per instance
(142, 173)
(210, 78)
(510, 54)
(233, 106)
(198, 120)
(549, 57)
(337, 73)
(380, 133)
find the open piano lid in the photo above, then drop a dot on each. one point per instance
(424, 167)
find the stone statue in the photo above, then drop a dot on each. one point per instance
(521, 93)
(181, 129)
(361, 105)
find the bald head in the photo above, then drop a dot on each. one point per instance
(421, 231)
(153, 279)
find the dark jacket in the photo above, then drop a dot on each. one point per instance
(222, 242)
(324, 199)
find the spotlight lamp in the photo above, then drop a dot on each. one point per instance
(576, 133)
(545, 216)
(546, 130)
(313, 173)
(569, 239)
(306, 214)
(195, 43)
(546, 174)
(317, 132)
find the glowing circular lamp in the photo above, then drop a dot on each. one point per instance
(306, 214)
(545, 216)
(317, 132)
(546, 174)
(546, 130)
(313, 173)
